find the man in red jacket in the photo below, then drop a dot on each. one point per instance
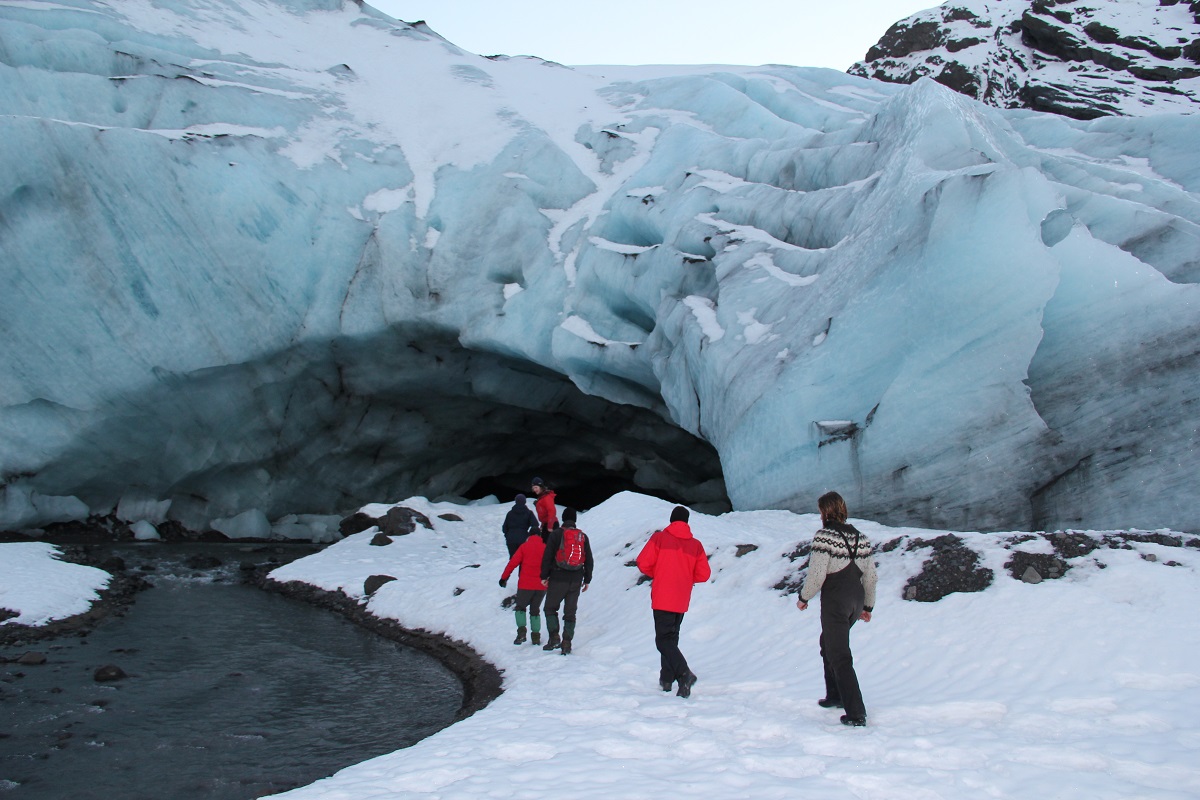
(674, 560)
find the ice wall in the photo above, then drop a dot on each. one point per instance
(296, 256)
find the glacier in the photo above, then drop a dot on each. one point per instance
(288, 256)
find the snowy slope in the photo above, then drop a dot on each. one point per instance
(1133, 57)
(276, 257)
(1080, 687)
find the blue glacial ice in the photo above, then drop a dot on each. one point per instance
(289, 257)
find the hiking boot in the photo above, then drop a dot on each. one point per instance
(666, 684)
(520, 636)
(566, 647)
(535, 637)
(552, 643)
(854, 722)
(825, 702)
(686, 682)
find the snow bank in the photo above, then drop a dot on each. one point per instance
(41, 588)
(1083, 687)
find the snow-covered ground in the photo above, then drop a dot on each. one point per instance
(1081, 687)
(41, 588)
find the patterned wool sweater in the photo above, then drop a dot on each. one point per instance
(831, 553)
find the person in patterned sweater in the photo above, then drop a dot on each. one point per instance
(841, 568)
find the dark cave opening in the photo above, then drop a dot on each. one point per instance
(578, 486)
(326, 428)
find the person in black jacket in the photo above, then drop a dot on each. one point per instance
(519, 524)
(565, 581)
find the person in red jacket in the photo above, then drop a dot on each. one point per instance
(547, 514)
(530, 591)
(674, 560)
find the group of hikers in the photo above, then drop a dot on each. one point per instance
(555, 565)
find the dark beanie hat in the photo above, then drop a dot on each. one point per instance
(679, 514)
(537, 482)
(519, 499)
(568, 516)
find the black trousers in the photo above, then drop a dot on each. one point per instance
(530, 599)
(563, 590)
(842, 600)
(672, 664)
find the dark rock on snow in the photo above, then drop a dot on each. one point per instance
(951, 567)
(372, 584)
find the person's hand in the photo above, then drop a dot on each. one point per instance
(865, 616)
(504, 583)
(585, 587)
(800, 604)
(545, 584)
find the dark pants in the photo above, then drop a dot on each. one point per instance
(512, 545)
(672, 664)
(842, 599)
(530, 599)
(563, 587)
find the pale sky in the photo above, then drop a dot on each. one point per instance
(807, 33)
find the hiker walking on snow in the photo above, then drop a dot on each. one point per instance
(519, 522)
(842, 570)
(675, 561)
(544, 505)
(528, 558)
(566, 571)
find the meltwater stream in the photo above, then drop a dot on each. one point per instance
(233, 693)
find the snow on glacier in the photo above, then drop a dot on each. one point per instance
(286, 256)
(977, 694)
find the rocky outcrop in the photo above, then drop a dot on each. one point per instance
(949, 564)
(1084, 61)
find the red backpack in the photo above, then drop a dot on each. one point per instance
(572, 554)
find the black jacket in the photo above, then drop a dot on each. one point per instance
(519, 523)
(550, 568)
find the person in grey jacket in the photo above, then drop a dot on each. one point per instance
(841, 568)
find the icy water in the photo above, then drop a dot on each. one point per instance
(232, 693)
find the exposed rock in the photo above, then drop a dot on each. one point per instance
(400, 521)
(109, 673)
(380, 540)
(113, 564)
(355, 523)
(1048, 55)
(32, 659)
(450, 517)
(372, 583)
(1044, 565)
(743, 549)
(951, 567)
(1073, 545)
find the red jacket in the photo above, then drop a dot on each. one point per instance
(547, 514)
(674, 560)
(529, 558)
